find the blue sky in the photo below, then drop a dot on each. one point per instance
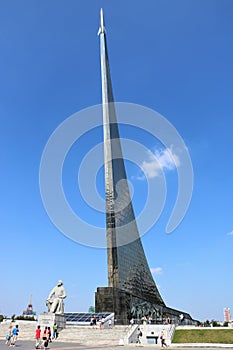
(174, 57)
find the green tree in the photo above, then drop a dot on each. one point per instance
(91, 309)
(27, 318)
(1, 318)
(215, 323)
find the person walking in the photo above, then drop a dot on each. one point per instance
(45, 337)
(15, 332)
(49, 335)
(131, 322)
(163, 342)
(45, 333)
(8, 335)
(102, 323)
(139, 336)
(94, 321)
(144, 320)
(38, 337)
(55, 331)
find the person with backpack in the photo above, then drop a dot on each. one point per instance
(45, 337)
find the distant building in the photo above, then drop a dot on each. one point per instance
(29, 311)
(227, 314)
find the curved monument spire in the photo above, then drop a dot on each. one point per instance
(131, 290)
(128, 270)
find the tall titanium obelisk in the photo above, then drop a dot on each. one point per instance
(131, 290)
(128, 272)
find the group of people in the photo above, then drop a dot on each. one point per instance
(12, 335)
(42, 340)
(94, 323)
(145, 320)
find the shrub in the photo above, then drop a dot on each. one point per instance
(25, 318)
(215, 323)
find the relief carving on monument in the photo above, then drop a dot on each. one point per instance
(140, 308)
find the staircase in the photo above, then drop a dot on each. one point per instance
(93, 336)
(89, 336)
(82, 335)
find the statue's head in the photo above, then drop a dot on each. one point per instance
(59, 283)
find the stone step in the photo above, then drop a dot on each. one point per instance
(84, 335)
(92, 336)
(89, 336)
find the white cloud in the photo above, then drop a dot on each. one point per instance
(156, 270)
(160, 160)
(230, 233)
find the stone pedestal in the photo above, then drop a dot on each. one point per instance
(108, 299)
(48, 319)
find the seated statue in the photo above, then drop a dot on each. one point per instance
(54, 301)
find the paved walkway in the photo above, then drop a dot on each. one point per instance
(30, 345)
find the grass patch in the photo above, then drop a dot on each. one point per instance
(224, 336)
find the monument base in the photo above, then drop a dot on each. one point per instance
(126, 305)
(47, 319)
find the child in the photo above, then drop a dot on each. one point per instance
(8, 337)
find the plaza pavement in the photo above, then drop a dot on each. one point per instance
(30, 345)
